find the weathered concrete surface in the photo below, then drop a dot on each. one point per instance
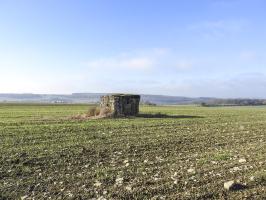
(121, 104)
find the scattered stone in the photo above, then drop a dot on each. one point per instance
(232, 186)
(119, 180)
(236, 169)
(97, 184)
(214, 162)
(191, 171)
(70, 194)
(252, 178)
(228, 185)
(101, 198)
(242, 160)
(23, 197)
(129, 188)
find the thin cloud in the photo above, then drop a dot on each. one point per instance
(248, 55)
(184, 64)
(233, 87)
(218, 28)
(142, 60)
(225, 3)
(121, 63)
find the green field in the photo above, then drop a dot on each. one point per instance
(188, 154)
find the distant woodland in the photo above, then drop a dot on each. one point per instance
(234, 102)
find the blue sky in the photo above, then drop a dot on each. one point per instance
(172, 47)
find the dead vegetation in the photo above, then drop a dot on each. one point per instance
(94, 113)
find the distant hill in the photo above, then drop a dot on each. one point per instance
(148, 99)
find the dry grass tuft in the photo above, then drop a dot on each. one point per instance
(106, 112)
(94, 113)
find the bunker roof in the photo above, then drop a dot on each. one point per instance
(126, 95)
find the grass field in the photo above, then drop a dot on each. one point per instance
(188, 154)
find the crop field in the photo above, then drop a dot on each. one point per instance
(187, 153)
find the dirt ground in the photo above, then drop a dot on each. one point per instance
(186, 152)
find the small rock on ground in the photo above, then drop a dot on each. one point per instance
(232, 185)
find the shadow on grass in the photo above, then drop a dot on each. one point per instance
(160, 115)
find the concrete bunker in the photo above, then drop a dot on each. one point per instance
(121, 104)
